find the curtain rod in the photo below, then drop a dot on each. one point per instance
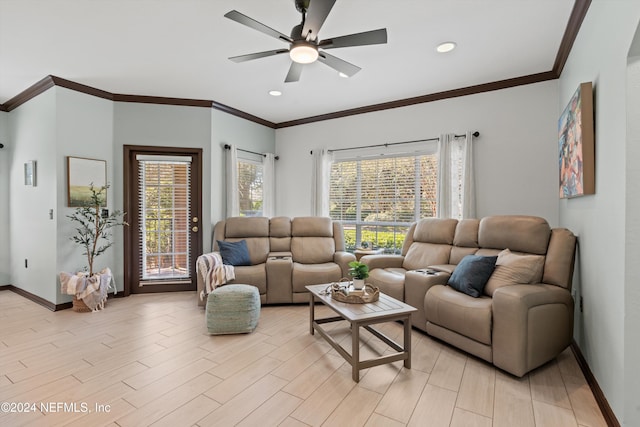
(475, 134)
(228, 147)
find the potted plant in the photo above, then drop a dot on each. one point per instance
(93, 235)
(359, 272)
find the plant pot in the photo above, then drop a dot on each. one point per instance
(358, 284)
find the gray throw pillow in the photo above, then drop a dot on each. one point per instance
(472, 273)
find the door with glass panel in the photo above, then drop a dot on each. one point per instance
(163, 195)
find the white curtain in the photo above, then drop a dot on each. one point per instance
(268, 185)
(443, 192)
(320, 176)
(468, 197)
(456, 181)
(233, 199)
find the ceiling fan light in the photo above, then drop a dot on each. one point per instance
(303, 54)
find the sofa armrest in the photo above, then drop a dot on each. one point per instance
(343, 259)
(382, 261)
(416, 285)
(532, 324)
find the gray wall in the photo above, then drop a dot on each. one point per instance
(515, 165)
(599, 55)
(32, 235)
(84, 129)
(5, 277)
(632, 244)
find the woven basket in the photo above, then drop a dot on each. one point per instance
(372, 294)
(80, 306)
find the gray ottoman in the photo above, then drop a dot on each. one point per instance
(233, 309)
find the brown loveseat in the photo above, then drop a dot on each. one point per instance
(286, 254)
(516, 327)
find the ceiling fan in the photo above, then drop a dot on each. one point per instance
(304, 45)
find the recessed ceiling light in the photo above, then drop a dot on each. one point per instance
(275, 93)
(343, 75)
(446, 47)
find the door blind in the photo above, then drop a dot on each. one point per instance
(165, 211)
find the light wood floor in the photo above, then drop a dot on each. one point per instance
(147, 360)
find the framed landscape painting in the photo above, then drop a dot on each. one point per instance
(576, 146)
(81, 174)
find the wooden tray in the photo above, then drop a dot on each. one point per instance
(340, 292)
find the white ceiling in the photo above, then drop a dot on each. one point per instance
(179, 48)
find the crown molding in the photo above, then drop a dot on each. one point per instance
(79, 87)
(142, 99)
(51, 81)
(578, 13)
(470, 90)
(29, 93)
(242, 114)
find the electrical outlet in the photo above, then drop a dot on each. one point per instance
(581, 304)
(104, 213)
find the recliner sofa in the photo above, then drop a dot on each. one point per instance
(286, 255)
(517, 327)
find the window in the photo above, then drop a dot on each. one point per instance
(377, 199)
(250, 187)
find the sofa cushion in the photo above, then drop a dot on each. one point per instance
(421, 255)
(467, 233)
(471, 275)
(390, 281)
(234, 253)
(450, 309)
(435, 230)
(313, 274)
(514, 269)
(311, 226)
(280, 226)
(313, 250)
(241, 226)
(254, 274)
(517, 232)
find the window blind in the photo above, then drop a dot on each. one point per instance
(165, 211)
(378, 198)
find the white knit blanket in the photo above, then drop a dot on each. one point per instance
(214, 272)
(91, 290)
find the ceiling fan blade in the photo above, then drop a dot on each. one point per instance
(257, 55)
(338, 64)
(234, 15)
(359, 39)
(294, 72)
(316, 14)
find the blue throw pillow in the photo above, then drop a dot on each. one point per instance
(472, 274)
(234, 253)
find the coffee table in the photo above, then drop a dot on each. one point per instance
(386, 309)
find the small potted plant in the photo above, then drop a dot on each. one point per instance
(359, 272)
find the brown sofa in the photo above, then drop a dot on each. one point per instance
(516, 327)
(286, 254)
